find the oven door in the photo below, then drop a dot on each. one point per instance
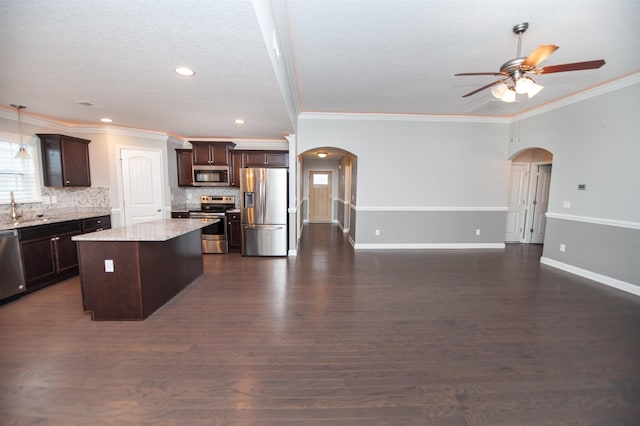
(214, 236)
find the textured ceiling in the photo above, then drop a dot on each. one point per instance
(347, 56)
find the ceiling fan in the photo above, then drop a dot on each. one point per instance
(516, 73)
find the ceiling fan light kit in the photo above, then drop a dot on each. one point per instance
(516, 72)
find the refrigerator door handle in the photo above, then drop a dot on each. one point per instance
(267, 227)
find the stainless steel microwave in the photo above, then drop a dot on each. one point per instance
(211, 176)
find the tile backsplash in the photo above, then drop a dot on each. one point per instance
(60, 201)
(191, 196)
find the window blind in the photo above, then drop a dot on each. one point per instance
(18, 175)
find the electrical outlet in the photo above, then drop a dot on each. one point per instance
(566, 204)
(108, 265)
(189, 196)
(563, 248)
(477, 232)
(377, 232)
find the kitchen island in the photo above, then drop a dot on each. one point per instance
(127, 273)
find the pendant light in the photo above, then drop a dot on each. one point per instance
(22, 152)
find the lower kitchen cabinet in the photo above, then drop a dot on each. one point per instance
(234, 233)
(48, 253)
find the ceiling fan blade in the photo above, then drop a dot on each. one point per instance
(576, 66)
(478, 73)
(541, 53)
(484, 87)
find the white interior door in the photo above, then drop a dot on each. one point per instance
(320, 196)
(540, 203)
(518, 190)
(142, 185)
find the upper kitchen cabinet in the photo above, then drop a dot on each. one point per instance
(65, 160)
(266, 159)
(211, 153)
(185, 174)
(237, 162)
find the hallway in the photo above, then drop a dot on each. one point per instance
(335, 337)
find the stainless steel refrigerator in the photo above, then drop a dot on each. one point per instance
(263, 194)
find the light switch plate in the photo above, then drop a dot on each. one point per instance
(108, 265)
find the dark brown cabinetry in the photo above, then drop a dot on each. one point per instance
(95, 224)
(211, 153)
(180, 215)
(266, 159)
(245, 158)
(236, 165)
(48, 253)
(185, 167)
(234, 232)
(65, 160)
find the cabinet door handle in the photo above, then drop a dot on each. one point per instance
(98, 222)
(67, 181)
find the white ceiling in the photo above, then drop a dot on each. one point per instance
(345, 56)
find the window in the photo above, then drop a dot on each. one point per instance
(17, 175)
(320, 179)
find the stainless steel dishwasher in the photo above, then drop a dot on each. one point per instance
(11, 273)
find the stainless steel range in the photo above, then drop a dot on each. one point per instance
(213, 207)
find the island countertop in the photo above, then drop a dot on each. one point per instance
(157, 230)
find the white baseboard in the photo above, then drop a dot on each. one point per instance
(603, 279)
(425, 246)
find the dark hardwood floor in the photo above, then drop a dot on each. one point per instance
(335, 337)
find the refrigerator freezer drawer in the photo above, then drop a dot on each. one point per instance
(264, 240)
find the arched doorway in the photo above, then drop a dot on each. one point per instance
(528, 200)
(329, 179)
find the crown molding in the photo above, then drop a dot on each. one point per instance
(602, 89)
(406, 117)
(430, 209)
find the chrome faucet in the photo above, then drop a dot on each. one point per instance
(14, 213)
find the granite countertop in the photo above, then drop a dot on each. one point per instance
(158, 230)
(55, 218)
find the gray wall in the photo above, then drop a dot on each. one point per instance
(594, 142)
(452, 174)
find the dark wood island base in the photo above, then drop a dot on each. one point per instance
(146, 274)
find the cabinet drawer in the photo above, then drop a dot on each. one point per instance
(96, 223)
(51, 230)
(179, 215)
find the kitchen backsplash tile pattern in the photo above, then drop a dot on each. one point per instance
(59, 202)
(190, 197)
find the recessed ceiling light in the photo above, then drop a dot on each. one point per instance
(185, 71)
(106, 120)
(239, 121)
(322, 154)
